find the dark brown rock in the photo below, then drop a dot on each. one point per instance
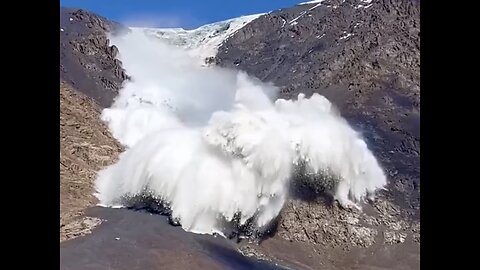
(86, 57)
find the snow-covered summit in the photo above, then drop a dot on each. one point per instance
(202, 42)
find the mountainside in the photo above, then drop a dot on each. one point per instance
(86, 146)
(364, 55)
(87, 61)
(325, 44)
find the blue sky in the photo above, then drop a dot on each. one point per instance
(176, 13)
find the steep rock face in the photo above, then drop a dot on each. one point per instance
(87, 62)
(364, 55)
(86, 146)
(312, 47)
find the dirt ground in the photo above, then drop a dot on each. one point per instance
(86, 146)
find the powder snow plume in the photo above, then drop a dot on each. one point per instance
(215, 145)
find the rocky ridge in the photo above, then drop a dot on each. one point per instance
(87, 61)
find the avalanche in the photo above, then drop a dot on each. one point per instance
(216, 146)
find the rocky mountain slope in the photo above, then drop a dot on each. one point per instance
(86, 146)
(364, 55)
(87, 62)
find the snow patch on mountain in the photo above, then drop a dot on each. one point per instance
(310, 2)
(202, 42)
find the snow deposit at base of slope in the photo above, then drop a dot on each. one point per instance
(204, 41)
(214, 146)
